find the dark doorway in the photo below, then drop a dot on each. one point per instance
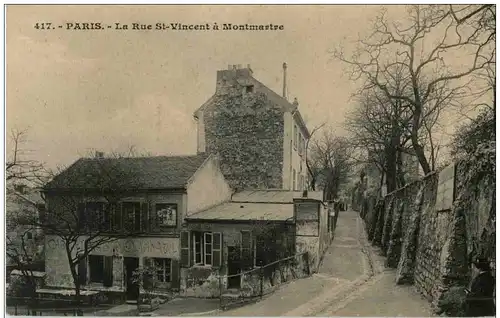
(131, 264)
(233, 267)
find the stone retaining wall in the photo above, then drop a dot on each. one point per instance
(428, 245)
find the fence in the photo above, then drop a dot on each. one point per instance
(260, 281)
(38, 306)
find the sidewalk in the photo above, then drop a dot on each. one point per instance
(342, 264)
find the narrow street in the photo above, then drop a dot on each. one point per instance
(351, 281)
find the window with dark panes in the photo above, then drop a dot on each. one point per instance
(163, 267)
(95, 214)
(166, 214)
(132, 215)
(206, 247)
(198, 247)
(96, 266)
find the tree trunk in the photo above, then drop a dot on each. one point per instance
(419, 150)
(400, 171)
(391, 169)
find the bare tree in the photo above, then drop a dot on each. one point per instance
(407, 48)
(332, 157)
(18, 167)
(83, 209)
(380, 128)
(311, 166)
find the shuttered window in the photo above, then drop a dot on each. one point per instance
(217, 249)
(163, 268)
(108, 271)
(208, 248)
(185, 244)
(132, 215)
(82, 271)
(246, 249)
(82, 221)
(144, 217)
(116, 212)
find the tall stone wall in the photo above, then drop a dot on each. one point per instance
(246, 131)
(432, 228)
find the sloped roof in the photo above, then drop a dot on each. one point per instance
(274, 196)
(233, 211)
(268, 205)
(159, 172)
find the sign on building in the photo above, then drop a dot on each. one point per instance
(307, 211)
(446, 188)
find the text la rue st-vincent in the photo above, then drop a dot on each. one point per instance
(157, 26)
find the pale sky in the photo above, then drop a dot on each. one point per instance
(80, 90)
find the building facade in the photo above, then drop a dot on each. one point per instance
(259, 136)
(171, 188)
(252, 230)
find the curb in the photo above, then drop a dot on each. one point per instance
(194, 314)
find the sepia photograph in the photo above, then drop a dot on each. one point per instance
(217, 159)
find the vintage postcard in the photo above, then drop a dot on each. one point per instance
(250, 160)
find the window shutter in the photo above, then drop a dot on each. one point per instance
(81, 216)
(144, 217)
(217, 249)
(207, 249)
(108, 271)
(175, 277)
(185, 248)
(117, 217)
(82, 271)
(246, 249)
(151, 218)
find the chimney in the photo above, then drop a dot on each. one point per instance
(295, 102)
(99, 154)
(304, 194)
(284, 80)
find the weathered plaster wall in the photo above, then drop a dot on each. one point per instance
(308, 240)
(57, 268)
(293, 159)
(208, 188)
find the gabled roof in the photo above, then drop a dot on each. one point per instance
(159, 172)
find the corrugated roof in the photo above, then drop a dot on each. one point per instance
(274, 196)
(160, 172)
(233, 211)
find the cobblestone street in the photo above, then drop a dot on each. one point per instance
(345, 284)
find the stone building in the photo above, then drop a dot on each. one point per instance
(259, 135)
(152, 208)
